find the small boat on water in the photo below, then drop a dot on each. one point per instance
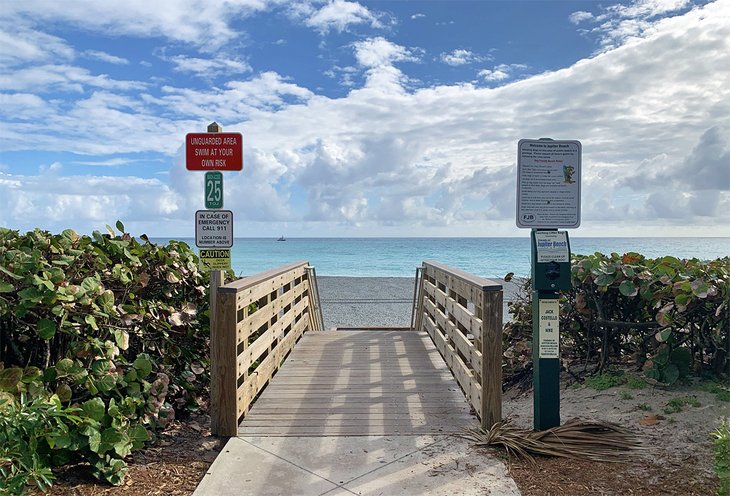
(282, 238)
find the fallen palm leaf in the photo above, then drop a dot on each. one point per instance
(593, 440)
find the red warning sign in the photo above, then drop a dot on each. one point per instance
(214, 151)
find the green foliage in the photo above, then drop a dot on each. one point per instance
(110, 328)
(722, 456)
(669, 315)
(722, 393)
(605, 380)
(657, 307)
(644, 407)
(634, 382)
(29, 429)
(675, 404)
(625, 395)
(669, 366)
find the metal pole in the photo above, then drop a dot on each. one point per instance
(216, 276)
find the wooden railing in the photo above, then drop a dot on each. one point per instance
(257, 321)
(463, 315)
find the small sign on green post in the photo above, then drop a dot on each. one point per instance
(213, 190)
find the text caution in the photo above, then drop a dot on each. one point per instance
(215, 260)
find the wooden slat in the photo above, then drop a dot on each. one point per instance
(456, 337)
(253, 294)
(344, 383)
(263, 373)
(463, 315)
(251, 323)
(258, 347)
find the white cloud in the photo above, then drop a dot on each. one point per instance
(20, 44)
(112, 162)
(209, 68)
(619, 23)
(61, 78)
(378, 52)
(580, 16)
(201, 22)
(460, 56)
(81, 202)
(378, 56)
(105, 57)
(338, 15)
(500, 72)
(418, 16)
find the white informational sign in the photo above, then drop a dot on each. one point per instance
(548, 183)
(552, 246)
(548, 313)
(213, 228)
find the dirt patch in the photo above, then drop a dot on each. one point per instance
(679, 460)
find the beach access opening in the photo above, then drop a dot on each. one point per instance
(268, 336)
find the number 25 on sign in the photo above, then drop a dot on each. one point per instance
(213, 190)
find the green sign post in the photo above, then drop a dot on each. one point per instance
(548, 198)
(213, 190)
(550, 275)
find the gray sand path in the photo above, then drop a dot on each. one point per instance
(375, 301)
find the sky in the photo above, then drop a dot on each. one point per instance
(384, 118)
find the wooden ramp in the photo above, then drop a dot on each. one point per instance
(361, 383)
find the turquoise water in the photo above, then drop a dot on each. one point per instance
(399, 257)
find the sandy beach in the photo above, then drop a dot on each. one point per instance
(374, 301)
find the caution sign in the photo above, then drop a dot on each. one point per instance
(215, 260)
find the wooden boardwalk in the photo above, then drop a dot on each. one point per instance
(361, 383)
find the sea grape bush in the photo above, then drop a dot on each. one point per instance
(668, 315)
(103, 339)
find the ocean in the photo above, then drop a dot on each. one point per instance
(399, 257)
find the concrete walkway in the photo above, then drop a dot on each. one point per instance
(346, 465)
(358, 412)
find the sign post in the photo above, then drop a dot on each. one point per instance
(548, 198)
(212, 152)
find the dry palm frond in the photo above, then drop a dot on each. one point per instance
(584, 439)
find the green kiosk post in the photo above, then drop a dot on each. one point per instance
(550, 275)
(548, 198)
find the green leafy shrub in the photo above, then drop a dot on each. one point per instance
(669, 316)
(29, 429)
(722, 456)
(113, 328)
(675, 405)
(605, 380)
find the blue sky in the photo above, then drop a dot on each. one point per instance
(386, 118)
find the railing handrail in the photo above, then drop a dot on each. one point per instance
(250, 342)
(462, 314)
(480, 282)
(249, 281)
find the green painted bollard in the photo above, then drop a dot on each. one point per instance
(550, 274)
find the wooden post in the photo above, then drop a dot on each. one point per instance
(223, 377)
(216, 276)
(224, 372)
(491, 358)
